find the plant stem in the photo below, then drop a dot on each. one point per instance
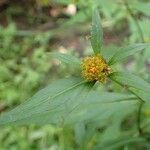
(135, 20)
(139, 108)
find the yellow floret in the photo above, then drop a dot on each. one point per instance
(95, 68)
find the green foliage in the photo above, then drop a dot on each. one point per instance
(61, 98)
(123, 53)
(134, 84)
(51, 101)
(79, 114)
(128, 79)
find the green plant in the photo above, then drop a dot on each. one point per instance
(74, 101)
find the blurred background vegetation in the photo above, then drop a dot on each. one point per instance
(30, 28)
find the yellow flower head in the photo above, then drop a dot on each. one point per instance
(95, 68)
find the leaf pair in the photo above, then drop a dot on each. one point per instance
(97, 42)
(65, 101)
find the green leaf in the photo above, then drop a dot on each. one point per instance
(50, 105)
(130, 80)
(101, 106)
(124, 52)
(66, 58)
(96, 33)
(66, 101)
